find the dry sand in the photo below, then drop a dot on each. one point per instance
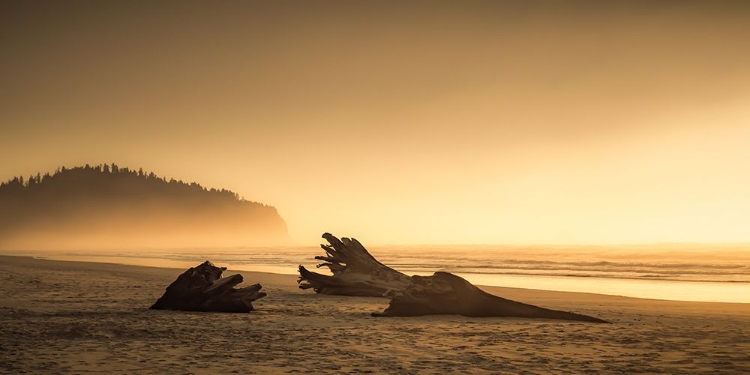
(75, 317)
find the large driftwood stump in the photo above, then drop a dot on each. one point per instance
(355, 271)
(446, 293)
(202, 288)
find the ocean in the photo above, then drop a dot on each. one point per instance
(669, 272)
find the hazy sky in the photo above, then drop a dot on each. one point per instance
(402, 122)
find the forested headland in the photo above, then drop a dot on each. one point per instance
(113, 207)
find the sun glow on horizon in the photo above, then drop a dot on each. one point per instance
(480, 123)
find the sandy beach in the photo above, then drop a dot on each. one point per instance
(77, 317)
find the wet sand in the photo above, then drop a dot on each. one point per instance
(77, 317)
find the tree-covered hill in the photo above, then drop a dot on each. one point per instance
(108, 206)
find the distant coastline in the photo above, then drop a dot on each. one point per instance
(116, 207)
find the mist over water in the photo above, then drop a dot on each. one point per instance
(698, 273)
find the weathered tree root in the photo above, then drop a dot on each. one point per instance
(355, 271)
(202, 288)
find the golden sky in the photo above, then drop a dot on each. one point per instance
(429, 122)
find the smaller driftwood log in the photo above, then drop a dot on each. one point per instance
(202, 288)
(446, 293)
(355, 271)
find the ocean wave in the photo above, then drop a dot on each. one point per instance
(661, 277)
(650, 265)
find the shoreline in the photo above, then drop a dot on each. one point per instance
(511, 281)
(94, 317)
(291, 280)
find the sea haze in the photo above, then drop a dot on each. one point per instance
(671, 272)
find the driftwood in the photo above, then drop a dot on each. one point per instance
(445, 293)
(355, 271)
(202, 288)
